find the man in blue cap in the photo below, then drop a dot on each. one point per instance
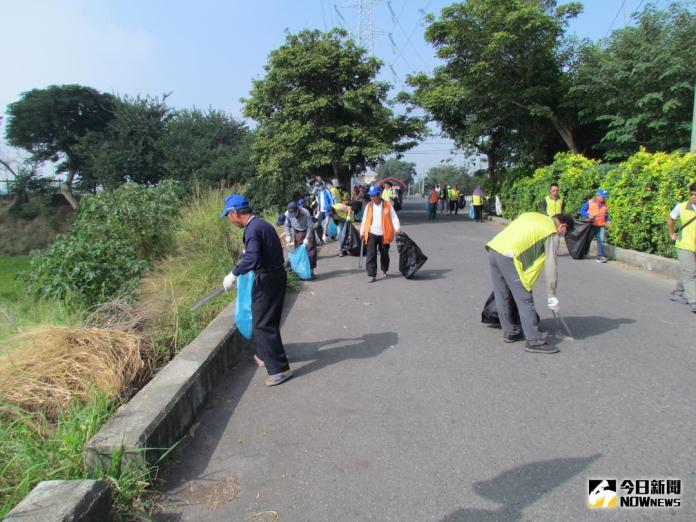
(299, 230)
(263, 254)
(379, 227)
(595, 210)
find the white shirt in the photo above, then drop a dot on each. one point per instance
(676, 212)
(376, 225)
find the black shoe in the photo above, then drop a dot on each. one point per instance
(540, 348)
(513, 338)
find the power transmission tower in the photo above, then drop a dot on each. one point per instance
(365, 32)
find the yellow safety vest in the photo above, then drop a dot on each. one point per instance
(388, 194)
(336, 194)
(523, 240)
(341, 214)
(476, 200)
(553, 206)
(686, 237)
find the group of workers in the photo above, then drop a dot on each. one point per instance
(263, 253)
(451, 199)
(516, 256)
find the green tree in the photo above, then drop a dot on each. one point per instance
(130, 148)
(320, 110)
(639, 83)
(210, 147)
(394, 168)
(49, 124)
(504, 78)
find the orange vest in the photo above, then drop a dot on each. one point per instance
(433, 197)
(387, 226)
(597, 212)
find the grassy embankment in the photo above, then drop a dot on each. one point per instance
(68, 370)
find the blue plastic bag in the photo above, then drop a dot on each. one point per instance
(242, 305)
(472, 215)
(299, 261)
(332, 230)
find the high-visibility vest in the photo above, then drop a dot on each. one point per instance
(340, 213)
(433, 197)
(476, 200)
(597, 212)
(335, 194)
(553, 206)
(687, 236)
(523, 240)
(388, 194)
(387, 225)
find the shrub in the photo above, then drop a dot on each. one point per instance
(642, 191)
(115, 237)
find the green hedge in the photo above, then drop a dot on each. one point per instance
(642, 191)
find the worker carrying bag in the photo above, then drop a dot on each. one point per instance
(411, 258)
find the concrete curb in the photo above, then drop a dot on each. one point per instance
(159, 414)
(62, 500)
(649, 262)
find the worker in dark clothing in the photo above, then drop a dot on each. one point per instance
(263, 254)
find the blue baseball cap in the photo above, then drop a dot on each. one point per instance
(603, 193)
(292, 206)
(234, 202)
(374, 191)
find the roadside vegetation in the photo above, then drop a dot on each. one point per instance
(98, 273)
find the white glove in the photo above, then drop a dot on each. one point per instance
(289, 241)
(325, 238)
(305, 241)
(553, 304)
(229, 281)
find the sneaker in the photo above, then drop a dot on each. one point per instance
(540, 348)
(602, 259)
(513, 338)
(693, 307)
(278, 378)
(678, 297)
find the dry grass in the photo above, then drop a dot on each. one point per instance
(57, 365)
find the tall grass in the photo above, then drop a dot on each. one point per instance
(19, 310)
(206, 248)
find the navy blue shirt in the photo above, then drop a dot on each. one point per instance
(262, 248)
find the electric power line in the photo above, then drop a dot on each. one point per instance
(623, 3)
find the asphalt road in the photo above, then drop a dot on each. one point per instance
(405, 407)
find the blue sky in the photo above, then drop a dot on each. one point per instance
(207, 52)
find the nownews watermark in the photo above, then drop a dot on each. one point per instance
(634, 493)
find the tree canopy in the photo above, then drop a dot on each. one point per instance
(394, 168)
(639, 83)
(503, 77)
(49, 124)
(321, 111)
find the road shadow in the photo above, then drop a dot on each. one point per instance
(322, 354)
(335, 274)
(520, 487)
(584, 327)
(429, 275)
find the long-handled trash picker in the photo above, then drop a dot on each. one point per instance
(361, 251)
(212, 295)
(559, 319)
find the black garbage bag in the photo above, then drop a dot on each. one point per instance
(411, 257)
(489, 315)
(351, 241)
(579, 239)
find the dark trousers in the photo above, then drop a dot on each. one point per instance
(507, 288)
(432, 210)
(454, 206)
(478, 212)
(311, 248)
(374, 243)
(268, 295)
